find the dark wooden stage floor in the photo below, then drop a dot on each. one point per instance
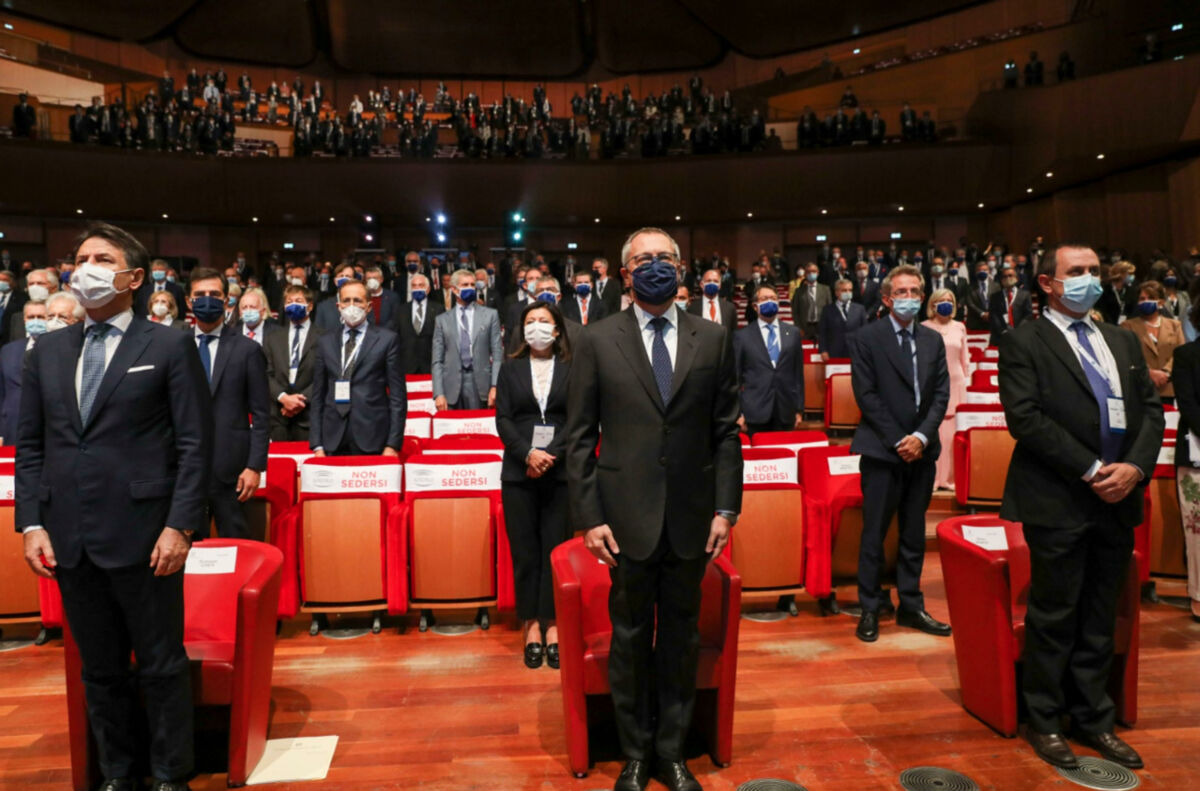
(815, 706)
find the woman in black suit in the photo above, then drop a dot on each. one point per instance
(1185, 374)
(531, 418)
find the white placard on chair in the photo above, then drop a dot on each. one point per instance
(329, 479)
(986, 537)
(211, 560)
(766, 471)
(965, 420)
(843, 465)
(480, 477)
(836, 368)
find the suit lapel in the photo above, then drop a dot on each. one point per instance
(630, 343)
(1053, 337)
(891, 346)
(1116, 348)
(66, 374)
(685, 352)
(132, 344)
(925, 353)
(224, 347)
(365, 346)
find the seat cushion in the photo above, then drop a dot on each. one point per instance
(212, 671)
(595, 665)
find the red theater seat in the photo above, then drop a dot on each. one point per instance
(767, 545)
(581, 585)
(464, 421)
(987, 591)
(229, 634)
(841, 408)
(20, 590)
(793, 440)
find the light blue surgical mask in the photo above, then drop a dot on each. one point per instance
(906, 308)
(35, 327)
(251, 317)
(158, 275)
(845, 296)
(1081, 292)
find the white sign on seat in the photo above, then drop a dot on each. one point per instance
(478, 477)
(762, 471)
(422, 404)
(965, 420)
(986, 537)
(7, 488)
(419, 387)
(419, 425)
(211, 560)
(843, 465)
(836, 368)
(448, 423)
(361, 479)
(973, 397)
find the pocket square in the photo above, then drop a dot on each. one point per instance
(140, 368)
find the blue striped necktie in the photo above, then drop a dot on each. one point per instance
(93, 368)
(1110, 441)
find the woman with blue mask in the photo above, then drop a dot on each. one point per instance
(1159, 336)
(941, 311)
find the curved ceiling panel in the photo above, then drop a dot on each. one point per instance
(516, 38)
(278, 32)
(636, 35)
(133, 20)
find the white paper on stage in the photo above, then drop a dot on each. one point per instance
(989, 537)
(211, 560)
(293, 760)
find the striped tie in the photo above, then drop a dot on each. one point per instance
(93, 368)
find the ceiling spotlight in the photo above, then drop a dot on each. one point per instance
(331, 219)
(678, 218)
(369, 238)
(572, 245)
(164, 215)
(369, 218)
(981, 205)
(428, 219)
(1029, 189)
(517, 216)
(253, 219)
(1099, 156)
(857, 50)
(749, 214)
(79, 211)
(899, 208)
(441, 237)
(824, 211)
(441, 218)
(1049, 174)
(597, 219)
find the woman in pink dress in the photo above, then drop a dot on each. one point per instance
(942, 307)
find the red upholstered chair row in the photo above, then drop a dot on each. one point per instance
(581, 586)
(767, 544)
(229, 634)
(987, 591)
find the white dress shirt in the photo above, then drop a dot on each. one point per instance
(418, 312)
(300, 329)
(670, 332)
(711, 309)
(212, 345)
(119, 326)
(258, 331)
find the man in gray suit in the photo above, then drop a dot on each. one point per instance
(808, 300)
(466, 350)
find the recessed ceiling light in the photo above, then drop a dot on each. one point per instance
(164, 215)
(1099, 156)
(749, 214)
(253, 219)
(899, 208)
(1029, 189)
(1049, 174)
(824, 211)
(857, 50)
(677, 218)
(981, 205)
(597, 219)
(79, 211)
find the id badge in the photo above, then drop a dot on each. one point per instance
(1116, 415)
(543, 435)
(341, 391)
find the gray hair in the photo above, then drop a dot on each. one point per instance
(76, 309)
(885, 288)
(648, 229)
(255, 292)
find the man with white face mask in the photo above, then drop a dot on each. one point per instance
(39, 285)
(63, 310)
(384, 303)
(359, 400)
(114, 442)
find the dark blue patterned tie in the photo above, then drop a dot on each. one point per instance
(772, 344)
(206, 355)
(660, 359)
(1110, 441)
(93, 368)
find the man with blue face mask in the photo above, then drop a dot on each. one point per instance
(290, 356)
(466, 350)
(414, 324)
(583, 306)
(255, 320)
(902, 386)
(1088, 424)
(711, 306)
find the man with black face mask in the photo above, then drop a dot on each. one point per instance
(659, 502)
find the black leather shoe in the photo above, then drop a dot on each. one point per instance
(552, 656)
(634, 776)
(118, 784)
(170, 785)
(533, 655)
(827, 605)
(1052, 748)
(676, 776)
(922, 622)
(1110, 746)
(868, 627)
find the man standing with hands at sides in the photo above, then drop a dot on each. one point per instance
(1088, 425)
(770, 365)
(659, 502)
(902, 386)
(290, 357)
(114, 453)
(359, 401)
(237, 378)
(711, 306)
(466, 350)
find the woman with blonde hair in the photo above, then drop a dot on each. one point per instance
(164, 311)
(941, 310)
(1159, 336)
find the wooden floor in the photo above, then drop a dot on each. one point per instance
(815, 706)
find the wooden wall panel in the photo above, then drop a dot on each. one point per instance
(1183, 190)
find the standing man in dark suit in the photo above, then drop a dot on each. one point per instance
(254, 317)
(607, 288)
(659, 501)
(12, 302)
(402, 285)
(979, 298)
(237, 379)
(770, 369)
(582, 305)
(839, 322)
(808, 300)
(359, 400)
(902, 386)
(466, 350)
(485, 293)
(711, 306)
(290, 356)
(12, 362)
(1009, 307)
(114, 447)
(1088, 425)
(383, 302)
(414, 325)
(158, 282)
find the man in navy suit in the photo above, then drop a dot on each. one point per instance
(237, 379)
(158, 282)
(328, 316)
(770, 369)
(902, 386)
(384, 303)
(839, 321)
(12, 361)
(359, 400)
(414, 325)
(711, 306)
(114, 447)
(1010, 305)
(582, 305)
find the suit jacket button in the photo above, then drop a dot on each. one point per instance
(83, 447)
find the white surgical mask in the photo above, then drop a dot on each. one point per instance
(93, 285)
(55, 323)
(38, 293)
(160, 309)
(296, 281)
(353, 315)
(539, 335)
(372, 284)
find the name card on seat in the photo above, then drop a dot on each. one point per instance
(475, 477)
(836, 368)
(449, 424)
(991, 354)
(965, 420)
(986, 537)
(1166, 453)
(972, 397)
(843, 465)
(419, 387)
(766, 471)
(422, 404)
(988, 366)
(211, 560)
(1171, 418)
(370, 479)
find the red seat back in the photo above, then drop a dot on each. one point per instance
(210, 601)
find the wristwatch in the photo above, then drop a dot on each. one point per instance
(730, 515)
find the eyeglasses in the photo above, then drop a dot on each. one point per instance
(649, 258)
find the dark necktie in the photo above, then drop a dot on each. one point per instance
(93, 369)
(1110, 442)
(348, 352)
(464, 343)
(295, 347)
(772, 344)
(206, 355)
(906, 348)
(660, 359)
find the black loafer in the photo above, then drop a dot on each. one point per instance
(1111, 747)
(676, 776)
(1052, 748)
(552, 656)
(868, 627)
(634, 776)
(922, 622)
(533, 655)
